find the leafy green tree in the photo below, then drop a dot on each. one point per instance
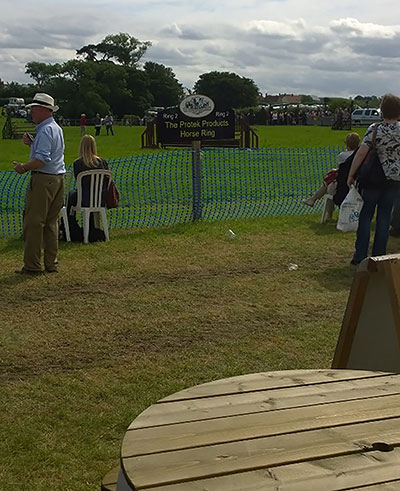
(111, 84)
(42, 73)
(77, 89)
(336, 102)
(138, 83)
(367, 101)
(228, 89)
(120, 48)
(14, 89)
(307, 99)
(105, 77)
(163, 84)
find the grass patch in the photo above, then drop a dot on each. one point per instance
(151, 312)
(127, 141)
(127, 322)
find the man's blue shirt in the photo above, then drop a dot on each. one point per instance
(48, 146)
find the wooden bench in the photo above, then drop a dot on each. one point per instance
(20, 129)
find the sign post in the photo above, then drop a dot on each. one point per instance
(196, 179)
(196, 119)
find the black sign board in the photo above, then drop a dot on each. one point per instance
(173, 126)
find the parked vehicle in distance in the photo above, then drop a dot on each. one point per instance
(366, 116)
(16, 107)
(16, 101)
(151, 113)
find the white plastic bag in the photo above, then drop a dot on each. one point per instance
(350, 211)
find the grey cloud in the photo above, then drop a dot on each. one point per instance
(306, 43)
(295, 39)
(368, 39)
(171, 56)
(185, 32)
(61, 31)
(359, 65)
(340, 58)
(387, 48)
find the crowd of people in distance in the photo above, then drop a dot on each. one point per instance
(342, 118)
(107, 122)
(288, 116)
(97, 122)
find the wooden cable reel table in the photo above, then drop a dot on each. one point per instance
(288, 431)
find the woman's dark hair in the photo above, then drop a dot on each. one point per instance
(390, 106)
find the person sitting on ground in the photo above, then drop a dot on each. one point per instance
(88, 160)
(329, 185)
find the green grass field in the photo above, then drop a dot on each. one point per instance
(156, 185)
(152, 311)
(127, 322)
(127, 141)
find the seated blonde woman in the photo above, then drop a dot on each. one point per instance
(88, 160)
(329, 184)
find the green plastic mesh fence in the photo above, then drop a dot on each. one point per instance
(157, 189)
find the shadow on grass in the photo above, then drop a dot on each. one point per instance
(335, 278)
(13, 279)
(13, 244)
(328, 228)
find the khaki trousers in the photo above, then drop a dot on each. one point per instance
(44, 199)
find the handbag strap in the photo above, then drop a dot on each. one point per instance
(373, 143)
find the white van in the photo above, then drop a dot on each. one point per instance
(366, 116)
(16, 101)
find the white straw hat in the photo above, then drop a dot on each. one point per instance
(43, 100)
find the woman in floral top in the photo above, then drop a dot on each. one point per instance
(381, 197)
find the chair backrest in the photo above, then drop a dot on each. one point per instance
(96, 186)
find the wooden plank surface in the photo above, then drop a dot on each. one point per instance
(268, 380)
(335, 474)
(264, 400)
(246, 427)
(222, 459)
(270, 431)
(389, 486)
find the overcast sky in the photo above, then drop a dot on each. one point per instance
(324, 48)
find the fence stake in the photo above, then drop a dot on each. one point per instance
(196, 179)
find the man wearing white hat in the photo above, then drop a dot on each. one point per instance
(45, 194)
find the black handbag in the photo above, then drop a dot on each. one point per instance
(370, 174)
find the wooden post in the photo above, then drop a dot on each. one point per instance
(196, 179)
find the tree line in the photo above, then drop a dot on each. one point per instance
(109, 76)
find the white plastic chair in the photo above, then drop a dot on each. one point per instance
(328, 202)
(97, 177)
(64, 216)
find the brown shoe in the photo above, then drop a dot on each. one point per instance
(29, 272)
